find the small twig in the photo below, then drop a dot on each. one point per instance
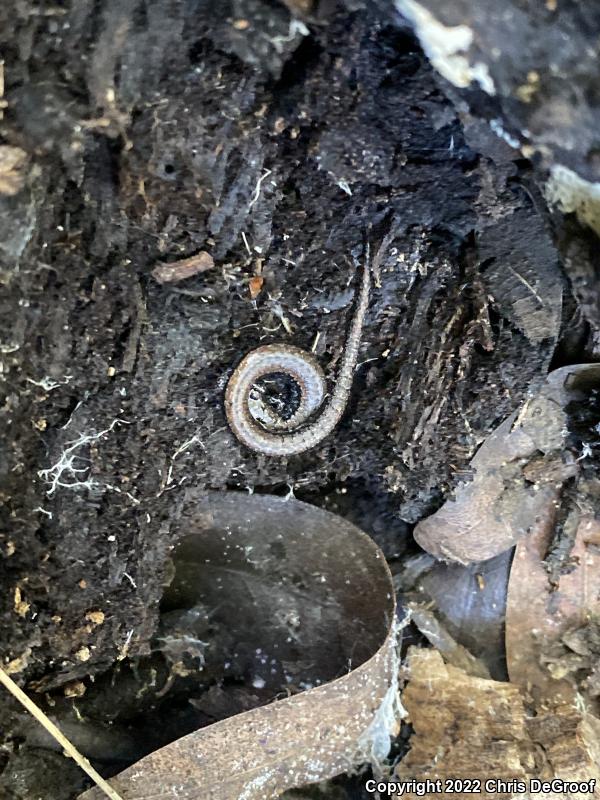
(70, 749)
(184, 268)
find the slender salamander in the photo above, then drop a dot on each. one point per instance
(279, 437)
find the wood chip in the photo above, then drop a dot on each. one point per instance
(176, 271)
(21, 606)
(255, 285)
(95, 617)
(13, 163)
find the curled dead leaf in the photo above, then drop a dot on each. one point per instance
(518, 471)
(309, 601)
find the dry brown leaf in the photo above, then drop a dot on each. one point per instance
(293, 558)
(512, 484)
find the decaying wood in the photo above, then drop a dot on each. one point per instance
(540, 611)
(469, 727)
(346, 118)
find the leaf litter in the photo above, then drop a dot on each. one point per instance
(254, 557)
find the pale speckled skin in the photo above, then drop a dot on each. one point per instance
(304, 369)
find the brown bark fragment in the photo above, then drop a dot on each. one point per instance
(473, 728)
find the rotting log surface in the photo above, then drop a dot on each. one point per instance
(155, 131)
